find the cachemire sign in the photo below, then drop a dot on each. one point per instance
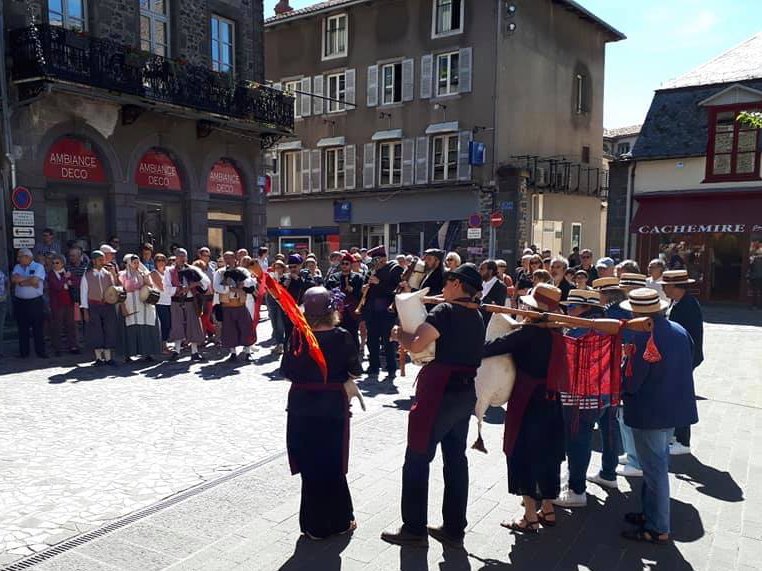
(693, 229)
(157, 171)
(73, 160)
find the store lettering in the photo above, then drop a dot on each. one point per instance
(224, 179)
(692, 228)
(67, 165)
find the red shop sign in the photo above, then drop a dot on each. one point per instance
(156, 170)
(224, 179)
(73, 160)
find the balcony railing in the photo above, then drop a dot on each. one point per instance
(52, 53)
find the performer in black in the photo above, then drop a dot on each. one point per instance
(350, 284)
(494, 291)
(379, 320)
(444, 402)
(296, 281)
(434, 279)
(317, 433)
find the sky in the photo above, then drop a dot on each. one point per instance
(665, 38)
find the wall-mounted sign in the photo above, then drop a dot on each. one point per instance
(23, 232)
(73, 160)
(21, 197)
(474, 233)
(157, 171)
(477, 153)
(23, 218)
(475, 220)
(23, 242)
(693, 229)
(224, 179)
(342, 211)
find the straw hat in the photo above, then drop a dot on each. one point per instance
(544, 297)
(606, 284)
(583, 297)
(675, 277)
(644, 300)
(632, 281)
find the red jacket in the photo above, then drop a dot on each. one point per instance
(59, 297)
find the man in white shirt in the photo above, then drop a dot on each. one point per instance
(101, 320)
(184, 283)
(237, 321)
(29, 278)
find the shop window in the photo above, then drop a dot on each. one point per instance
(335, 36)
(154, 26)
(733, 150)
(448, 17)
(390, 163)
(223, 48)
(334, 169)
(291, 175)
(445, 157)
(391, 77)
(447, 73)
(336, 92)
(68, 14)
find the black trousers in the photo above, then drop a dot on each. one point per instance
(379, 325)
(30, 316)
(683, 435)
(451, 431)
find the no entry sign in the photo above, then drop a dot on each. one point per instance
(496, 219)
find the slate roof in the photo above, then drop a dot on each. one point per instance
(622, 131)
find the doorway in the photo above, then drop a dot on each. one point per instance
(224, 238)
(160, 224)
(726, 267)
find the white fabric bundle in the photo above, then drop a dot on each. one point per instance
(412, 313)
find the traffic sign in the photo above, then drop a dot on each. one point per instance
(496, 219)
(474, 233)
(21, 197)
(475, 220)
(23, 242)
(23, 218)
(23, 232)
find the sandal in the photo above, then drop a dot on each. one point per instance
(543, 517)
(352, 527)
(522, 526)
(645, 536)
(635, 518)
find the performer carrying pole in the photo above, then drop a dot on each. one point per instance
(350, 284)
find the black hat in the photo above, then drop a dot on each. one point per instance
(467, 273)
(436, 252)
(377, 252)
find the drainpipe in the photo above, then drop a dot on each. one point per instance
(7, 142)
(628, 210)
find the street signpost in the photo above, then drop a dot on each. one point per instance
(496, 219)
(474, 233)
(23, 218)
(475, 220)
(23, 242)
(23, 232)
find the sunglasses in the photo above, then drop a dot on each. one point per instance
(345, 263)
(586, 257)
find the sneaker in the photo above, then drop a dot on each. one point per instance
(569, 499)
(402, 537)
(623, 459)
(677, 449)
(629, 472)
(603, 482)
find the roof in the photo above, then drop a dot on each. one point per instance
(622, 131)
(571, 5)
(737, 64)
(676, 125)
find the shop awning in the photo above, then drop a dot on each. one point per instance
(737, 212)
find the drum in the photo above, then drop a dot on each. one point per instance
(114, 295)
(149, 295)
(412, 313)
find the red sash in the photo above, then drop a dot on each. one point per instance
(430, 388)
(523, 390)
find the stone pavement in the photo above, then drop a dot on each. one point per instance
(167, 431)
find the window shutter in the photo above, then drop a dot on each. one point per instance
(316, 171)
(305, 171)
(464, 169)
(372, 95)
(350, 180)
(422, 160)
(465, 73)
(369, 166)
(274, 175)
(317, 89)
(306, 87)
(349, 86)
(427, 72)
(408, 80)
(408, 161)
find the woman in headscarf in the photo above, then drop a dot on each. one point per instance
(142, 334)
(317, 432)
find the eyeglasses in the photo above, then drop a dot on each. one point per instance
(345, 263)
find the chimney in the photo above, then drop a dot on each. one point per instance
(282, 7)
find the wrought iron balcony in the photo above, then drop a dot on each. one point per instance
(51, 53)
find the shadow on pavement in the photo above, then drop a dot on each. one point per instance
(371, 386)
(731, 315)
(707, 480)
(324, 555)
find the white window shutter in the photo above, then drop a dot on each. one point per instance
(316, 171)
(350, 178)
(372, 95)
(408, 161)
(427, 73)
(408, 80)
(274, 174)
(349, 86)
(465, 63)
(369, 166)
(422, 160)
(464, 168)
(306, 87)
(317, 89)
(306, 173)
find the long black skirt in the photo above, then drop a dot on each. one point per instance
(534, 468)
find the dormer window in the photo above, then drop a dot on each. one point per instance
(733, 151)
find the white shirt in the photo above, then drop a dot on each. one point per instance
(84, 288)
(653, 284)
(171, 289)
(164, 297)
(34, 269)
(486, 286)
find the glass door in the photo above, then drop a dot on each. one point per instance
(160, 224)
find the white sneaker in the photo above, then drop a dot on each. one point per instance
(603, 482)
(629, 472)
(569, 499)
(677, 449)
(623, 459)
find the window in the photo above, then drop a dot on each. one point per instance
(391, 83)
(335, 36)
(334, 169)
(291, 177)
(336, 92)
(390, 164)
(448, 17)
(733, 148)
(445, 157)
(154, 26)
(576, 235)
(223, 32)
(291, 88)
(67, 13)
(447, 73)
(579, 94)
(586, 154)
(622, 148)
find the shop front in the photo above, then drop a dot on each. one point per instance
(76, 193)
(226, 207)
(160, 201)
(713, 236)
